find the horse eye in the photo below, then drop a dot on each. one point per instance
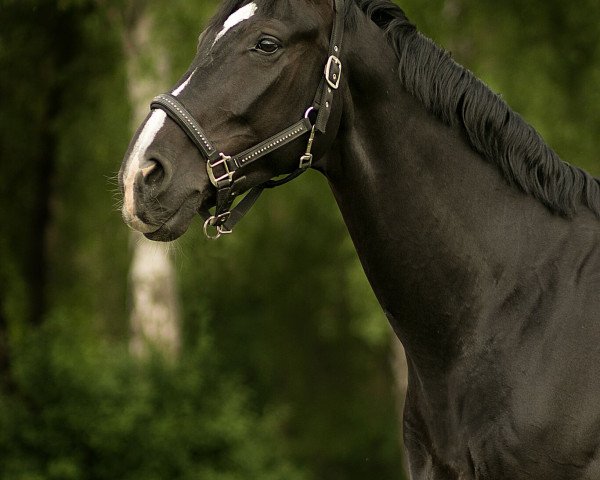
(267, 45)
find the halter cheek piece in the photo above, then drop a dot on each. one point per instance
(222, 168)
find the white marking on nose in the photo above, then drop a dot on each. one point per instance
(236, 18)
(181, 87)
(134, 162)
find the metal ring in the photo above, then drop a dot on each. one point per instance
(309, 111)
(208, 224)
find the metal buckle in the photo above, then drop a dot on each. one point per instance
(306, 161)
(333, 79)
(221, 230)
(211, 174)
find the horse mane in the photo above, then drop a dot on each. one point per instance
(456, 97)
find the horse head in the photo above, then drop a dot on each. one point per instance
(255, 73)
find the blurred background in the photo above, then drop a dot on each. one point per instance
(121, 359)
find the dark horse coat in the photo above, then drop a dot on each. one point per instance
(482, 246)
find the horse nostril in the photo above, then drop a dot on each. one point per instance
(153, 174)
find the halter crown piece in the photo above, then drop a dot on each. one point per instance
(222, 168)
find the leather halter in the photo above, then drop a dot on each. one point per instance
(222, 168)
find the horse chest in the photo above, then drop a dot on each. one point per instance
(494, 456)
(516, 435)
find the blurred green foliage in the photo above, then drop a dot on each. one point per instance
(542, 56)
(85, 409)
(313, 333)
(289, 380)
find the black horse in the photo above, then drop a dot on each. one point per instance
(482, 246)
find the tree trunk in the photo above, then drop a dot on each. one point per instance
(155, 323)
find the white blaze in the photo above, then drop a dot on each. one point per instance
(181, 87)
(236, 18)
(134, 162)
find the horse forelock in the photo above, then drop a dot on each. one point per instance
(456, 97)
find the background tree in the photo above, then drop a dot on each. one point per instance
(154, 317)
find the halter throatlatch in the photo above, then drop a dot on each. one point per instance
(223, 170)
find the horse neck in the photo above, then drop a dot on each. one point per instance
(428, 215)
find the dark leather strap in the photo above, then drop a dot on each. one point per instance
(290, 134)
(333, 70)
(176, 111)
(242, 208)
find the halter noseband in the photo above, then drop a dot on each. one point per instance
(222, 168)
